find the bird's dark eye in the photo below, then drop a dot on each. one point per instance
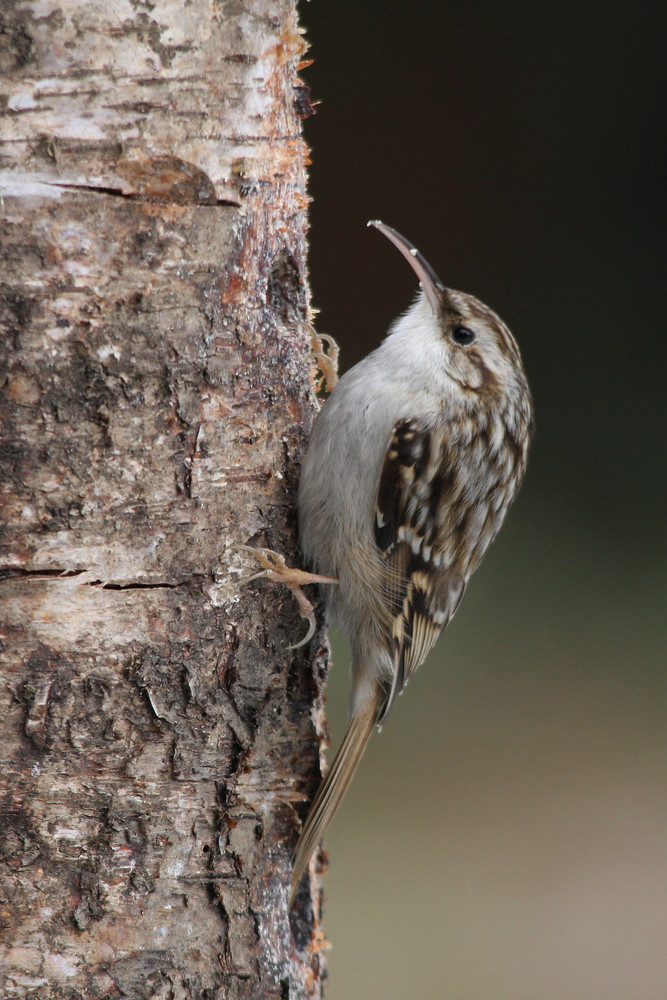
(462, 335)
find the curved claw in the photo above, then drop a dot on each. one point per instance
(327, 360)
(309, 634)
(276, 569)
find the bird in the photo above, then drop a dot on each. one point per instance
(410, 468)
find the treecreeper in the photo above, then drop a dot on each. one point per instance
(411, 466)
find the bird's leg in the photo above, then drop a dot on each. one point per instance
(276, 569)
(327, 360)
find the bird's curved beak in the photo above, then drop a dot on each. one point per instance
(430, 282)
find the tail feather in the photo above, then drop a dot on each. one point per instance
(332, 789)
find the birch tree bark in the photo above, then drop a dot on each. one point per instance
(158, 738)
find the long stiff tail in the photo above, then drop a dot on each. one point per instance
(332, 789)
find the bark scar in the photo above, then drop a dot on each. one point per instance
(83, 577)
(35, 723)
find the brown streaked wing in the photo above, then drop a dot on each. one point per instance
(405, 460)
(421, 598)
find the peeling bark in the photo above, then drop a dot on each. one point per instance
(159, 740)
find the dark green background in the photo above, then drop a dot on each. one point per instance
(507, 834)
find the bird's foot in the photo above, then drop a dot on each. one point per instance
(327, 360)
(276, 569)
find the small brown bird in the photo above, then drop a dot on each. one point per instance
(411, 466)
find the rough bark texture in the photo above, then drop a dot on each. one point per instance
(158, 738)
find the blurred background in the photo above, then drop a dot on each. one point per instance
(506, 837)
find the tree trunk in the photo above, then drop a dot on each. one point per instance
(158, 737)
